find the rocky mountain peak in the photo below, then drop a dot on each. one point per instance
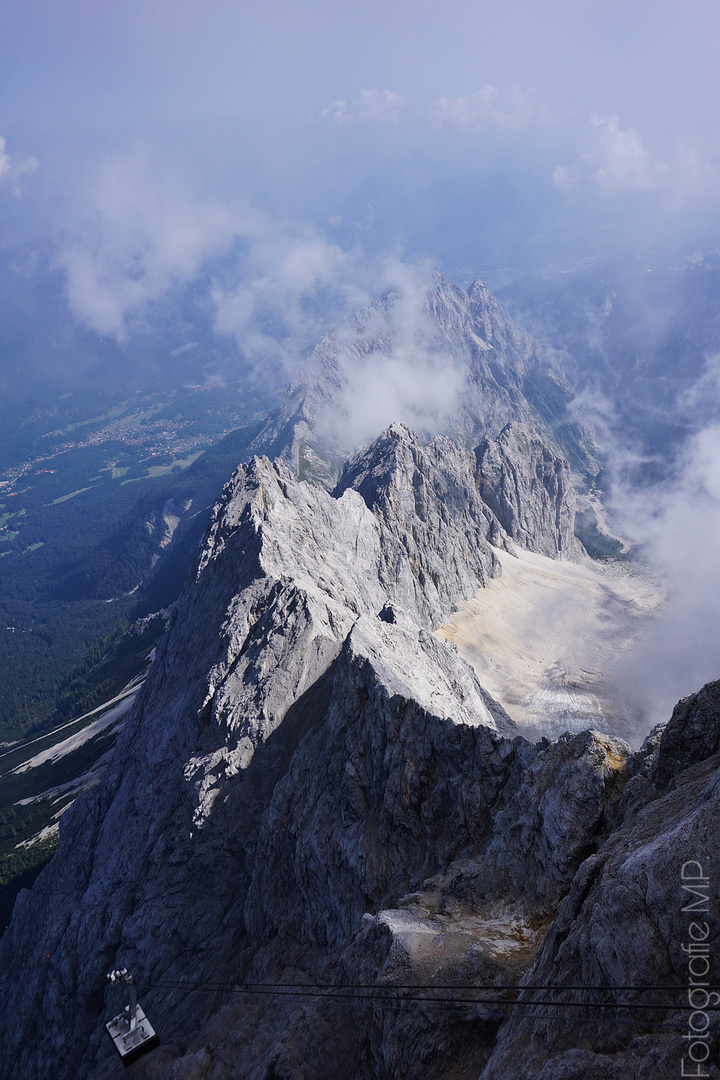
(501, 374)
(474, 317)
(430, 514)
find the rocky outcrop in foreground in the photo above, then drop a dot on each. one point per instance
(315, 791)
(641, 912)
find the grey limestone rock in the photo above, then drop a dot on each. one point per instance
(529, 486)
(430, 516)
(692, 735)
(553, 820)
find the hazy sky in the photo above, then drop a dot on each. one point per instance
(146, 137)
(137, 65)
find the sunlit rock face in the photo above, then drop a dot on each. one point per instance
(314, 788)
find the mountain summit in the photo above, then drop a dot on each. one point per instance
(446, 361)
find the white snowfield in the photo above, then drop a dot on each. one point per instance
(544, 637)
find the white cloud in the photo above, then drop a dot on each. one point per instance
(619, 162)
(674, 526)
(13, 167)
(419, 387)
(616, 162)
(391, 365)
(677, 525)
(372, 106)
(140, 236)
(489, 107)
(283, 271)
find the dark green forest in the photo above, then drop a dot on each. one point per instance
(75, 573)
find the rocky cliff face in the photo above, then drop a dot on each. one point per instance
(636, 913)
(530, 489)
(430, 515)
(314, 789)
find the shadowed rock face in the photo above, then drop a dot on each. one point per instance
(693, 735)
(314, 788)
(530, 489)
(623, 924)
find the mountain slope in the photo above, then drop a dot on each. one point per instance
(287, 577)
(314, 789)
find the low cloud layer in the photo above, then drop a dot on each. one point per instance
(136, 239)
(676, 526)
(261, 278)
(618, 162)
(416, 386)
(287, 282)
(392, 366)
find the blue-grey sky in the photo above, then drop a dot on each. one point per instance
(145, 63)
(146, 137)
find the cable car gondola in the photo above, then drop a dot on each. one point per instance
(131, 1032)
